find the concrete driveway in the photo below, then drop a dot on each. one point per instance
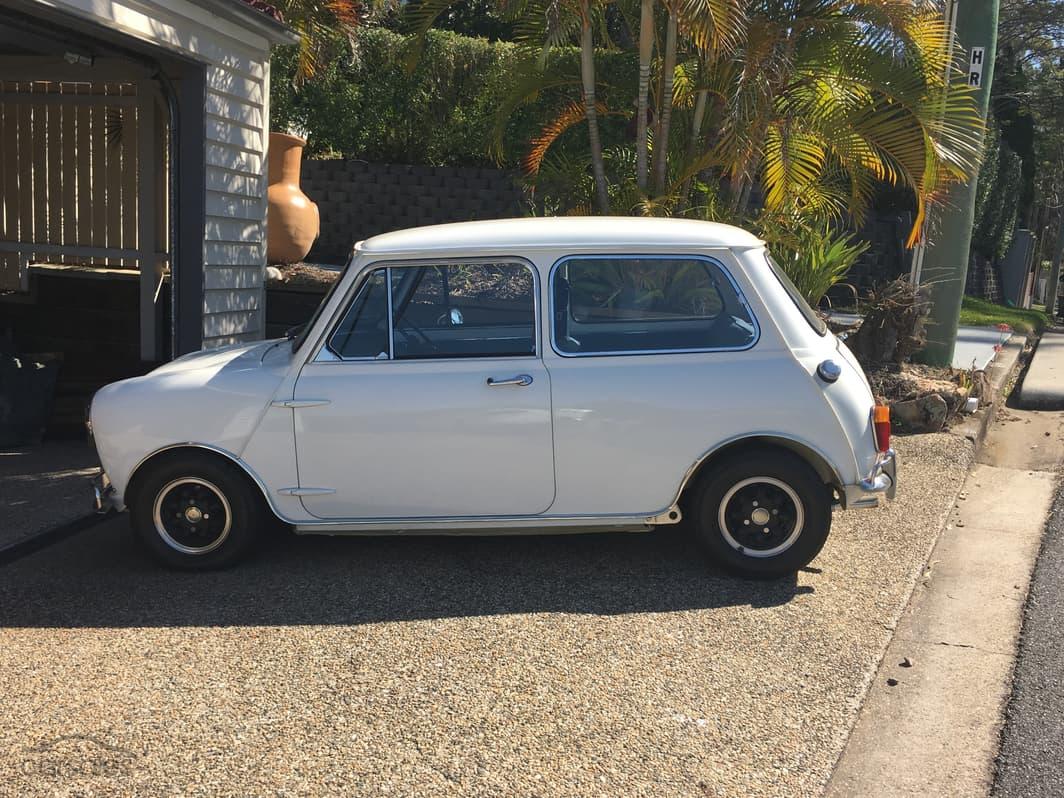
(596, 665)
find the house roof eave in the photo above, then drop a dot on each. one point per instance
(251, 18)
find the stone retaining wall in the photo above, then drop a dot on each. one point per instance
(357, 199)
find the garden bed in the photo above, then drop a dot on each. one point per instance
(300, 276)
(924, 398)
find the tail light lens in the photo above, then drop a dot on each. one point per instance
(881, 423)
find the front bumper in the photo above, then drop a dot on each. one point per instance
(105, 500)
(882, 481)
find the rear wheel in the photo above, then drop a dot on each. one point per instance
(194, 512)
(763, 513)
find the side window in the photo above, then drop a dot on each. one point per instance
(363, 333)
(463, 310)
(629, 304)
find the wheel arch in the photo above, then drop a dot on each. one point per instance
(816, 459)
(202, 450)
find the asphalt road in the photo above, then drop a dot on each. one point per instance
(593, 665)
(1031, 760)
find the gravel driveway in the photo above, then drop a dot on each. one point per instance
(597, 665)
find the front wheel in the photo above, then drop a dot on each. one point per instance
(762, 514)
(195, 513)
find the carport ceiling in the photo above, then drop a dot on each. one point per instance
(23, 35)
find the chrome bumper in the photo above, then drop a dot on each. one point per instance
(103, 494)
(882, 480)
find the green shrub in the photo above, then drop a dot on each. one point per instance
(816, 258)
(444, 112)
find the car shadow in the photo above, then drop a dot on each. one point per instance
(102, 579)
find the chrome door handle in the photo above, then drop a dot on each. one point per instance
(521, 380)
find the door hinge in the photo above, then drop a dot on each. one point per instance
(305, 491)
(300, 402)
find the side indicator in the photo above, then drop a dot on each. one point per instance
(881, 423)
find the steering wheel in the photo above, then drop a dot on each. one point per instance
(405, 322)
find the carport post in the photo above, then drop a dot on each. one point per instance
(146, 218)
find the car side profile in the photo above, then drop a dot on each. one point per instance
(514, 376)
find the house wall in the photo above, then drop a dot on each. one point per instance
(236, 61)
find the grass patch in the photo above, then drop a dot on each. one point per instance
(981, 313)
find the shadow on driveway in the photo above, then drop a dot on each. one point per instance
(102, 579)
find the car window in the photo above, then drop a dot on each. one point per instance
(363, 332)
(811, 316)
(463, 310)
(631, 304)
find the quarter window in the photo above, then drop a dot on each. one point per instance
(441, 311)
(614, 305)
(363, 333)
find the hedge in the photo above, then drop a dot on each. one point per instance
(444, 112)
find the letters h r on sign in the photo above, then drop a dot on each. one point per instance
(975, 67)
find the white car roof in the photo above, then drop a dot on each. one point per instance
(563, 232)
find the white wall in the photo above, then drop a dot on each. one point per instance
(237, 110)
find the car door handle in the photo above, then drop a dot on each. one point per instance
(521, 380)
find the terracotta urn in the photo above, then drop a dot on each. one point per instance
(291, 218)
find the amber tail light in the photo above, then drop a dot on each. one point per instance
(881, 423)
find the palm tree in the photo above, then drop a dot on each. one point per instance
(322, 25)
(806, 104)
(646, 52)
(587, 77)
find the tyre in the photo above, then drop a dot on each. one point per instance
(196, 513)
(763, 513)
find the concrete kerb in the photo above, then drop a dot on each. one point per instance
(1002, 372)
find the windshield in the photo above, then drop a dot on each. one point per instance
(810, 315)
(304, 331)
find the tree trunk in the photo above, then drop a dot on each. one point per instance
(587, 75)
(668, 74)
(646, 52)
(692, 145)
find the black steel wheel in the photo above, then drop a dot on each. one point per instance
(762, 513)
(195, 511)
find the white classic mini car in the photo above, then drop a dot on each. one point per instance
(529, 375)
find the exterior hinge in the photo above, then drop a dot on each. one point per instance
(305, 491)
(300, 402)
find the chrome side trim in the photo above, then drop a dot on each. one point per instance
(753, 437)
(490, 529)
(300, 402)
(305, 491)
(217, 450)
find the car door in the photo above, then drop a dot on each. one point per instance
(429, 398)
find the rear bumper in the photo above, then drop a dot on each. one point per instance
(883, 481)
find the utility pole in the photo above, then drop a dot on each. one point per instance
(944, 262)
